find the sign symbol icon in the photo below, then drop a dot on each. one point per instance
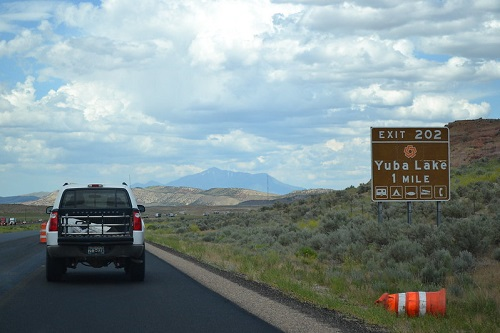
(426, 192)
(440, 191)
(411, 192)
(396, 192)
(410, 151)
(381, 192)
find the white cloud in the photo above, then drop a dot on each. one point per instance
(375, 95)
(28, 151)
(22, 96)
(229, 31)
(24, 42)
(443, 107)
(162, 89)
(334, 145)
(239, 141)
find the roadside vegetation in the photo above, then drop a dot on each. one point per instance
(330, 250)
(27, 217)
(19, 227)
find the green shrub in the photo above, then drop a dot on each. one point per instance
(432, 275)
(437, 267)
(333, 220)
(373, 233)
(470, 235)
(464, 262)
(397, 273)
(306, 252)
(371, 258)
(194, 228)
(495, 228)
(337, 244)
(436, 239)
(404, 250)
(496, 254)
(458, 208)
(210, 237)
(318, 241)
(288, 238)
(181, 230)
(152, 227)
(308, 224)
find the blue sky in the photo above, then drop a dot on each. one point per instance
(156, 90)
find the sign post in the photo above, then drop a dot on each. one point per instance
(410, 164)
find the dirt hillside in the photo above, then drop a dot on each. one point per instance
(471, 140)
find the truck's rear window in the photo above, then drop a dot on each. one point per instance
(95, 198)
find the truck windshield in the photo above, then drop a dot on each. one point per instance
(95, 198)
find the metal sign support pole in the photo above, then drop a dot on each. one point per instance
(409, 211)
(438, 212)
(379, 205)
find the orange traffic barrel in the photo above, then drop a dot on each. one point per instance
(43, 233)
(415, 303)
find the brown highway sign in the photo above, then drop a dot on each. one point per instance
(410, 164)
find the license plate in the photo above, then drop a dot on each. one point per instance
(95, 250)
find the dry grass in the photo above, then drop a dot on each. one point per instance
(487, 277)
(24, 212)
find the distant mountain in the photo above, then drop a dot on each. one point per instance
(217, 178)
(22, 198)
(148, 184)
(17, 199)
(188, 196)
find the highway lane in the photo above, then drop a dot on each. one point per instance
(20, 254)
(104, 300)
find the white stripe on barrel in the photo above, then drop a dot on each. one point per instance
(401, 303)
(423, 302)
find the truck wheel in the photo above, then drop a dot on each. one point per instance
(137, 267)
(54, 268)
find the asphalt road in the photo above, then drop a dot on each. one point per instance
(178, 295)
(104, 300)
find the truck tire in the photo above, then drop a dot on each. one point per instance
(137, 267)
(54, 268)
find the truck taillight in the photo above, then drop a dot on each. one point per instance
(53, 221)
(137, 220)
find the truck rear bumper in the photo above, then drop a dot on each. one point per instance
(82, 251)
